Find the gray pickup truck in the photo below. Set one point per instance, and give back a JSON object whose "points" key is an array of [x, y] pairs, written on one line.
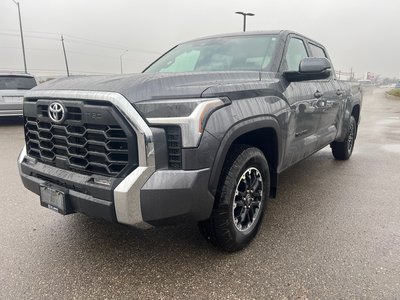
{"points": [[201, 135]]}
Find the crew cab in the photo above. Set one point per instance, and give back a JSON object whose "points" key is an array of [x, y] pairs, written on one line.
{"points": [[201, 135]]}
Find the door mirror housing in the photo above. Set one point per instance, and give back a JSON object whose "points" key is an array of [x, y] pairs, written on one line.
{"points": [[310, 68]]}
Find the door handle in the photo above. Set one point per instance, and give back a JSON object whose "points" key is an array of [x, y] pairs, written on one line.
{"points": [[318, 94], [339, 92]]}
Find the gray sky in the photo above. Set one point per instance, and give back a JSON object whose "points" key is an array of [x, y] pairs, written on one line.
{"points": [[362, 34]]}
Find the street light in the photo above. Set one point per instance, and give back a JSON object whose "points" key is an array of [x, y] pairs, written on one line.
{"points": [[244, 18], [22, 36], [65, 55], [120, 59]]}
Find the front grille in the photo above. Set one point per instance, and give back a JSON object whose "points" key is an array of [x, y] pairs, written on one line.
{"points": [[74, 113], [174, 143], [79, 143]]}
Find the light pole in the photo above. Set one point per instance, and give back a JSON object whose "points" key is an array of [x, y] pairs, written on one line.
{"points": [[120, 60], [244, 18], [65, 55], [22, 35]]}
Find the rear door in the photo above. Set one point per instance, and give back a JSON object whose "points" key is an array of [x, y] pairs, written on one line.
{"points": [[329, 101]]}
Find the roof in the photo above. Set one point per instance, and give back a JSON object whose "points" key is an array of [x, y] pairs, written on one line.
{"points": [[15, 73], [283, 33], [247, 33]]}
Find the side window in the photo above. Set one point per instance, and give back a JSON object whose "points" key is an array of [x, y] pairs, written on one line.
{"points": [[296, 51], [317, 51]]}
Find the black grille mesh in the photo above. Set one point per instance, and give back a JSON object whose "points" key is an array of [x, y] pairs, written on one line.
{"points": [[82, 147], [174, 142]]}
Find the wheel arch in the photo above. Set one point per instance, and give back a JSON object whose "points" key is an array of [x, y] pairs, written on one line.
{"points": [[261, 132], [355, 112], [352, 108]]}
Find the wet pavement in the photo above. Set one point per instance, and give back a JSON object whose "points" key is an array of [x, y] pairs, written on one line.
{"points": [[333, 232]]}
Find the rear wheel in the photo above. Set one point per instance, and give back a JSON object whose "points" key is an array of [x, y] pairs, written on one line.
{"points": [[240, 199], [343, 150]]}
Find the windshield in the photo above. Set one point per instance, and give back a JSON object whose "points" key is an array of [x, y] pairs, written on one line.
{"points": [[239, 53], [16, 83]]}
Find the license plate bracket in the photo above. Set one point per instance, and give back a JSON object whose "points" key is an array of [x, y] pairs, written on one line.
{"points": [[54, 199]]}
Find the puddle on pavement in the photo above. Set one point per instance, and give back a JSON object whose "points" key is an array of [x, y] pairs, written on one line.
{"points": [[392, 148], [389, 121]]}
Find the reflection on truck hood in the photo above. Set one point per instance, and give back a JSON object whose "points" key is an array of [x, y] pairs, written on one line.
{"points": [[139, 87]]}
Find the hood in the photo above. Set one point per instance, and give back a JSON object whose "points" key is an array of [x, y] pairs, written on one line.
{"points": [[139, 87]]}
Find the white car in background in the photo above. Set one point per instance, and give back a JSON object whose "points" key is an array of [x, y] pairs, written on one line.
{"points": [[366, 86], [13, 87]]}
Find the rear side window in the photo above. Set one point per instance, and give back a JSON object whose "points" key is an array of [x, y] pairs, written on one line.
{"points": [[317, 51], [16, 83], [296, 51]]}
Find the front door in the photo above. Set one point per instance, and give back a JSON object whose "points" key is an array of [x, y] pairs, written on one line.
{"points": [[303, 118]]}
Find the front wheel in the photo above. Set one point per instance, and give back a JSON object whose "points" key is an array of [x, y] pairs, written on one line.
{"points": [[343, 150], [240, 199]]}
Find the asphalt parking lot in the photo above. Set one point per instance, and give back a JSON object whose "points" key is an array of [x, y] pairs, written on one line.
{"points": [[333, 232]]}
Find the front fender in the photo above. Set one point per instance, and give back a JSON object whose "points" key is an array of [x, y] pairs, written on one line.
{"points": [[234, 132]]}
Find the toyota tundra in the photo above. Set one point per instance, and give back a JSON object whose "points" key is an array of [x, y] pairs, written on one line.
{"points": [[200, 135]]}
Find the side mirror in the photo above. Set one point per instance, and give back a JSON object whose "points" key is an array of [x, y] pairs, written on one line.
{"points": [[310, 68]]}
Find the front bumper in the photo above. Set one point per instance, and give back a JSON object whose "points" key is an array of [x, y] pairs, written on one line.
{"points": [[145, 197]]}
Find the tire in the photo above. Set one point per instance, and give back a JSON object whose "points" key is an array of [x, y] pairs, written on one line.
{"points": [[240, 200], [343, 150]]}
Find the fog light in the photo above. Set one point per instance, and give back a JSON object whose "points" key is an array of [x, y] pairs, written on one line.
{"points": [[102, 181], [30, 160]]}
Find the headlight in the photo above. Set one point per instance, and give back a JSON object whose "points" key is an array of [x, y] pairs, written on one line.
{"points": [[190, 114]]}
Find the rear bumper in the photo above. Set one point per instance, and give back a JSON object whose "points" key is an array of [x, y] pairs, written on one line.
{"points": [[145, 197], [10, 112], [10, 109]]}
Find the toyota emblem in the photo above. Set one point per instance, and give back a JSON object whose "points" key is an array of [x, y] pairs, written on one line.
{"points": [[57, 112]]}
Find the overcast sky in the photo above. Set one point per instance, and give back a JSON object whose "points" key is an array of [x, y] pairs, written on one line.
{"points": [[359, 34]]}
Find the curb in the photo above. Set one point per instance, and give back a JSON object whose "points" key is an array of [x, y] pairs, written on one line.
{"points": [[391, 96]]}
